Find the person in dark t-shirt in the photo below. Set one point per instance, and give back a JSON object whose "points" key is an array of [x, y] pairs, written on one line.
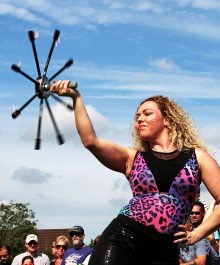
{"points": [[79, 252]]}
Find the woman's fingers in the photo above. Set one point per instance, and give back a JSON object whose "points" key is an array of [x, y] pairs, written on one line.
{"points": [[180, 237], [183, 238], [61, 88]]}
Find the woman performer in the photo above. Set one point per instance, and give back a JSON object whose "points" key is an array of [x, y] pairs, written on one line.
{"points": [[164, 168]]}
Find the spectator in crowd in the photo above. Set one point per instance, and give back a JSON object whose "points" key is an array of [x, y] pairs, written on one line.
{"points": [[96, 240], [79, 252], [211, 223], [53, 252], [5, 254], [201, 253], [27, 260], [197, 216], [31, 244], [61, 245]]}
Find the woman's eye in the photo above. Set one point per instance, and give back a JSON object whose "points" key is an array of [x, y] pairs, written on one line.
{"points": [[147, 113]]}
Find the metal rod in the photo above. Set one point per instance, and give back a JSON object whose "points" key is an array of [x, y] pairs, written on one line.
{"points": [[38, 139], [59, 136], [17, 112], [32, 39], [67, 64], [55, 38], [17, 69], [68, 106]]}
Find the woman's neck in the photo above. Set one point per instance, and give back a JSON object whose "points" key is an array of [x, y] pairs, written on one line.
{"points": [[163, 148], [58, 261]]}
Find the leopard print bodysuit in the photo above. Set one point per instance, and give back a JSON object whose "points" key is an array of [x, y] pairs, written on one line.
{"points": [[164, 211]]}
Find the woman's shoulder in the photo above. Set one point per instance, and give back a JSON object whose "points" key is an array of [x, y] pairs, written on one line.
{"points": [[204, 156], [202, 153]]}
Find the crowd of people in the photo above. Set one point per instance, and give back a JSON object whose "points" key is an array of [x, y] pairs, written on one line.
{"points": [[71, 249], [62, 251]]}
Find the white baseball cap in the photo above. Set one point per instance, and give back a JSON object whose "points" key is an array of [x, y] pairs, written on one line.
{"points": [[30, 238]]}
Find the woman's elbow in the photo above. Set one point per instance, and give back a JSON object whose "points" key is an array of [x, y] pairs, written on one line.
{"points": [[88, 142]]}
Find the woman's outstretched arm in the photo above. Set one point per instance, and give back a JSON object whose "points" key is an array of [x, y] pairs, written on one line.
{"points": [[112, 155]]}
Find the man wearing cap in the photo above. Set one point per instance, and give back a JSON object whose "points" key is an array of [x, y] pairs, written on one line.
{"points": [[79, 253], [31, 244]]}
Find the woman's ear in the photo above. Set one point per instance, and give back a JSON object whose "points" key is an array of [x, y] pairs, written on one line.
{"points": [[166, 121]]}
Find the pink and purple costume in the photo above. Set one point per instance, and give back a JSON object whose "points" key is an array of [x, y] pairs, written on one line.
{"points": [[164, 210], [164, 187]]}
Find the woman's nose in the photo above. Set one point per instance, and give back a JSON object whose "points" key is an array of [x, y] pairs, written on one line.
{"points": [[140, 118]]}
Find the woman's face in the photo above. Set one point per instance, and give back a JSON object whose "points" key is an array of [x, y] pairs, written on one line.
{"points": [[28, 262], [60, 248], [150, 123]]}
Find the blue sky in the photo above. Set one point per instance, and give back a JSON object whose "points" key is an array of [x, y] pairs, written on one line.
{"points": [[123, 51]]}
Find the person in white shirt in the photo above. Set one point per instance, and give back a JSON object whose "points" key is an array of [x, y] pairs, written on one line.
{"points": [[31, 244]]}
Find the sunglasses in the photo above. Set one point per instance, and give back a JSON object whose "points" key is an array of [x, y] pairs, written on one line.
{"points": [[61, 246], [32, 243], [75, 234], [196, 213], [3, 256]]}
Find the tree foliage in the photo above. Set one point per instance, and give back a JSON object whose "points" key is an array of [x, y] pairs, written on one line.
{"points": [[16, 222]]}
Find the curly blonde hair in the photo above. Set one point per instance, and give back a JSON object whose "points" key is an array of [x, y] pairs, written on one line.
{"points": [[182, 129]]}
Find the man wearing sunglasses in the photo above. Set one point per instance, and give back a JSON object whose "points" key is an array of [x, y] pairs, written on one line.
{"points": [[79, 253], [197, 214], [201, 253], [31, 244]]}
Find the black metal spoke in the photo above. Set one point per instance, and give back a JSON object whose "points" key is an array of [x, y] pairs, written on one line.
{"points": [[67, 65], [17, 112], [32, 39], [55, 39], [60, 138], [68, 106], [38, 139], [17, 69]]}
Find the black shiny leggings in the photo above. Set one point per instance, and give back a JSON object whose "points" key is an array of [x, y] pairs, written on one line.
{"points": [[121, 244]]}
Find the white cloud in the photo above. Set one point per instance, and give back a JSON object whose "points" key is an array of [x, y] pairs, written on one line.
{"points": [[165, 63], [30, 175], [21, 13], [201, 4], [66, 124], [165, 15], [194, 84], [118, 202], [211, 135], [147, 6], [115, 5]]}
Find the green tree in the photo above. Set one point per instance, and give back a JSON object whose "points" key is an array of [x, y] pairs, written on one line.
{"points": [[16, 222]]}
